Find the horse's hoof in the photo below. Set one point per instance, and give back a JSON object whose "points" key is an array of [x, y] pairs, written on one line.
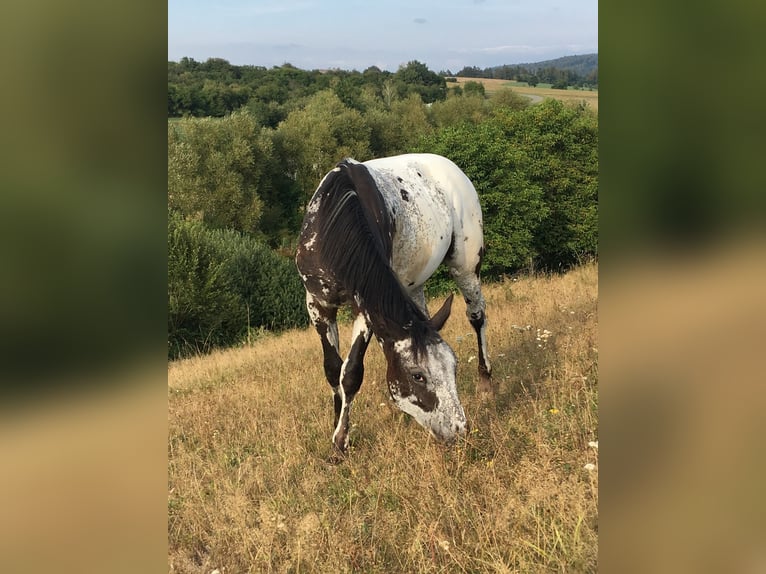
{"points": [[486, 387], [337, 456]]}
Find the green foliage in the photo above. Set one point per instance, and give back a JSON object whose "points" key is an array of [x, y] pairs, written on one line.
{"points": [[458, 109], [512, 205], [222, 283], [508, 99], [199, 298], [313, 139], [409, 121], [474, 89], [237, 185], [215, 169], [416, 78], [269, 291], [562, 144], [536, 173], [227, 172], [561, 72]]}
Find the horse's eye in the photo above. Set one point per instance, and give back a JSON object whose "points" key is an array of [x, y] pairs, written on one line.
{"points": [[418, 378]]}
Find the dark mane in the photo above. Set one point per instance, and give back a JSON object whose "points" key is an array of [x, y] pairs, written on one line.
{"points": [[357, 236]]}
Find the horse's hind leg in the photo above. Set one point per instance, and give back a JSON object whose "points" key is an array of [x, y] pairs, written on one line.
{"points": [[468, 282], [351, 376], [419, 297]]}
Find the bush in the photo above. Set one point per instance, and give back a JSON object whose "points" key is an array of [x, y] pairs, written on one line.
{"points": [[512, 205], [268, 286], [561, 142], [217, 169], [536, 172], [221, 283], [199, 299]]}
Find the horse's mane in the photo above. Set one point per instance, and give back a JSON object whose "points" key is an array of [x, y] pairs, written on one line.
{"points": [[356, 245]]}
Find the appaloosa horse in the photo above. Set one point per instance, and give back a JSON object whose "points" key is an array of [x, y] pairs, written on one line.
{"points": [[373, 233]]}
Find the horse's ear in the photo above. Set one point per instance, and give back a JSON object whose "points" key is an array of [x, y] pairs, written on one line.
{"points": [[441, 316]]}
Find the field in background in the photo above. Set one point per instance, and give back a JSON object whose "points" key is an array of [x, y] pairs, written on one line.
{"points": [[249, 434], [491, 86]]}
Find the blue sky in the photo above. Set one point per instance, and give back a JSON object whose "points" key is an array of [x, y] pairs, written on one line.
{"points": [[445, 35]]}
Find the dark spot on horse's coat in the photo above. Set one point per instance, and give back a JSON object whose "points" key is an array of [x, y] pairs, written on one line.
{"points": [[468, 301], [419, 174], [405, 195], [424, 398], [478, 265], [451, 249], [399, 179]]}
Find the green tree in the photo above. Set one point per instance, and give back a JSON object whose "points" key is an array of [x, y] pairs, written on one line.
{"points": [[475, 89], [410, 123], [199, 297], [512, 205], [313, 139], [536, 172], [456, 110], [561, 142], [507, 98], [415, 77], [216, 168]]}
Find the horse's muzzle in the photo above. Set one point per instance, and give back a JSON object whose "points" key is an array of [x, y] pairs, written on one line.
{"points": [[450, 435]]}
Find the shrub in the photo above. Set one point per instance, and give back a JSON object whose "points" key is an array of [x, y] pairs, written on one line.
{"points": [[536, 172], [561, 142], [268, 286], [221, 283], [199, 298], [512, 205]]}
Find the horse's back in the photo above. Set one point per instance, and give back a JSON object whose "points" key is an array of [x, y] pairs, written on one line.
{"points": [[456, 223], [437, 168], [443, 174]]}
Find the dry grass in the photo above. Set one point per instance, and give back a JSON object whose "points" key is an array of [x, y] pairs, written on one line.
{"points": [[249, 434], [571, 96]]}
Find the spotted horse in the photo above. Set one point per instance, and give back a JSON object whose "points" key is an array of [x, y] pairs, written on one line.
{"points": [[373, 233]]}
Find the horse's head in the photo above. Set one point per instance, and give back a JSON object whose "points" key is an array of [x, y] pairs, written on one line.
{"points": [[421, 378]]}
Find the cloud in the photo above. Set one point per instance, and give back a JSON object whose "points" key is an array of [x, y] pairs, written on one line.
{"points": [[420, 20], [512, 48]]}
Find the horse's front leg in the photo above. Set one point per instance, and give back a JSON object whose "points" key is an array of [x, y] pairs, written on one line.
{"points": [[324, 320], [351, 376]]}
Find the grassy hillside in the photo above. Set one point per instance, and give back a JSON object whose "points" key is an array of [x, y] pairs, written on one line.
{"points": [[249, 434]]}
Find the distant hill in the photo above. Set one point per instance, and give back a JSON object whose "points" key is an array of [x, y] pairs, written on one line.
{"points": [[580, 65], [561, 72]]}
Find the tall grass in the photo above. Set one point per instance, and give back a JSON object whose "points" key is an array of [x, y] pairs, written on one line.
{"points": [[249, 435]]}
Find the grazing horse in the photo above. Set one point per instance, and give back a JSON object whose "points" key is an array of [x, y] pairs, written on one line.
{"points": [[373, 233]]}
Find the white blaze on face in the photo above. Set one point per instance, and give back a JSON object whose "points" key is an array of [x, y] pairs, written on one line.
{"points": [[437, 367]]}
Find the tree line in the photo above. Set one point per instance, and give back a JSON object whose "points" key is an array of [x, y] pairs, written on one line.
{"points": [[216, 87], [237, 187], [575, 71]]}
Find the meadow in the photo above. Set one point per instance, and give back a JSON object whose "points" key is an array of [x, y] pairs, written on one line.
{"points": [[250, 488], [492, 86]]}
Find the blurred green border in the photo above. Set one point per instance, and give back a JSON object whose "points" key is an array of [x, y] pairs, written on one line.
{"points": [[83, 179], [83, 250]]}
